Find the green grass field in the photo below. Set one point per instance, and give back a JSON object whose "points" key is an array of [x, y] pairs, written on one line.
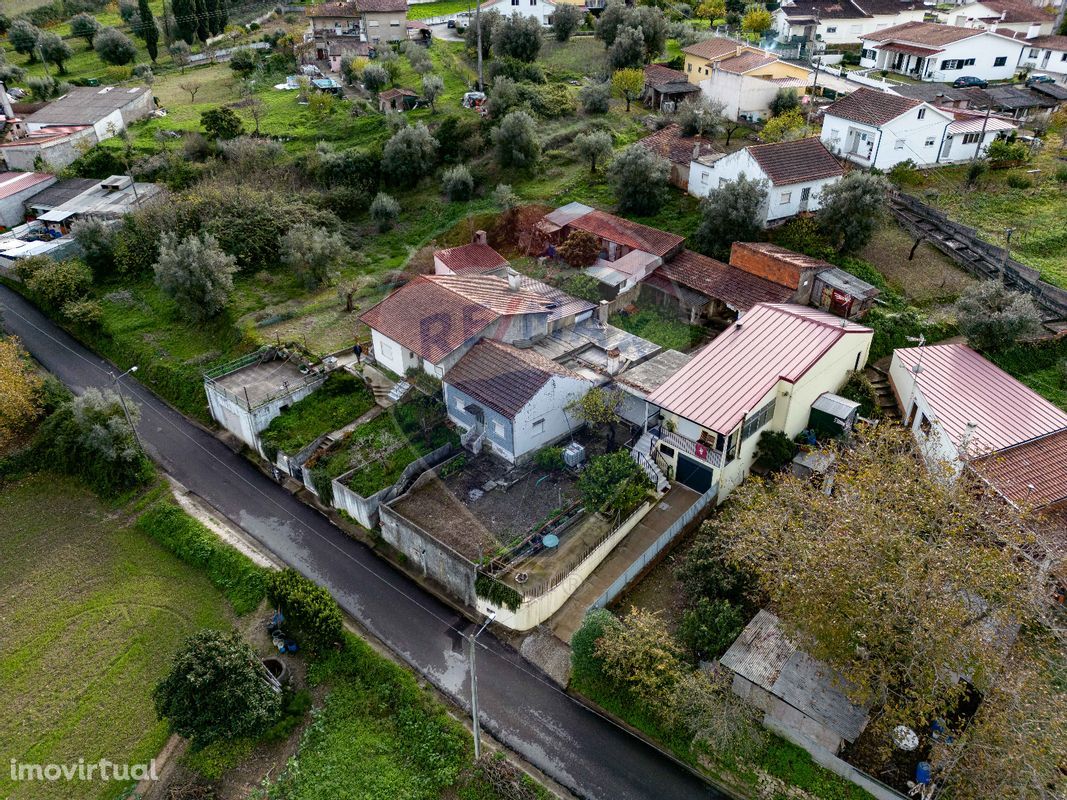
{"points": [[92, 611]]}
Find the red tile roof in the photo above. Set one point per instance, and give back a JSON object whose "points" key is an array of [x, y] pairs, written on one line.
{"points": [[728, 378], [910, 49], [669, 143], [735, 287], [871, 107], [796, 162], [435, 314], [931, 34], [389, 94], [12, 183], [661, 73], [474, 257], [962, 387], [632, 234], [382, 6], [715, 47], [1052, 42], [1034, 473], [503, 377], [739, 65], [1018, 11]]}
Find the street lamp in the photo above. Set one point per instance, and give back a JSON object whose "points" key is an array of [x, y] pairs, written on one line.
{"points": [[474, 686], [122, 399]]}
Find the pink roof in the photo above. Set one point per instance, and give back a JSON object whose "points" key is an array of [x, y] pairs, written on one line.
{"points": [[729, 377], [473, 257], [961, 387], [12, 183]]}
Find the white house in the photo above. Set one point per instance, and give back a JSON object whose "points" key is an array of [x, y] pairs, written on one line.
{"points": [[541, 10], [763, 373], [747, 84], [510, 400], [880, 129], [1047, 55], [796, 173], [964, 410], [1003, 15], [930, 51], [108, 109], [841, 21]]}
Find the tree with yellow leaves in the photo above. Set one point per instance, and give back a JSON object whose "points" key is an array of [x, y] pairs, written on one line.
{"points": [[19, 387]]}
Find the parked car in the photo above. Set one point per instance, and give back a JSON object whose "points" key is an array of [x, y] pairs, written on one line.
{"points": [[967, 81], [1039, 79]]}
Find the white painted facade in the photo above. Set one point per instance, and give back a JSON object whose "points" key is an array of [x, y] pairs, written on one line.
{"points": [[936, 445], [782, 201], [244, 423], [986, 55], [973, 15], [541, 10], [917, 134], [1045, 61], [844, 31], [744, 96]]}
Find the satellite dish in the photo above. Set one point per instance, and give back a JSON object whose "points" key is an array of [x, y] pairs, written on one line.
{"points": [[905, 738]]}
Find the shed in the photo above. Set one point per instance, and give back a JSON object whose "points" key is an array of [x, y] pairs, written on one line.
{"points": [[832, 414], [396, 100]]}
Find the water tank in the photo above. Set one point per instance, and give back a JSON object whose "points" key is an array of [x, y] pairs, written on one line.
{"points": [[573, 454], [922, 772]]}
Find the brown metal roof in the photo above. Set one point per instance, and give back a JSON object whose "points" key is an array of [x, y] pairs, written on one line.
{"points": [[962, 387], [796, 162], [473, 257], [669, 143], [737, 288], [1034, 473], [623, 231], [772, 343], [502, 377]]}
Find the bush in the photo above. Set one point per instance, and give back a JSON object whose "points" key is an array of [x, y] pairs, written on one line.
{"points": [[221, 123], [310, 611], [784, 101], [114, 47], [595, 96], [235, 574], [1061, 174], [710, 627], [457, 183], [551, 101], [584, 287], [497, 593], [1017, 181], [775, 450], [705, 574], [993, 317], [195, 273], [87, 313], [312, 253], [613, 483], [858, 387], [384, 210], [639, 178], [97, 243], [586, 665], [550, 458], [580, 249], [1003, 153], [60, 282]]}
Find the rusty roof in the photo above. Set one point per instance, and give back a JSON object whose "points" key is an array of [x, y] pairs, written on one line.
{"points": [[961, 387], [1033, 473], [728, 378], [796, 162], [737, 288], [473, 257], [661, 73], [632, 234], [871, 107], [1017, 11], [669, 143], [503, 377]]}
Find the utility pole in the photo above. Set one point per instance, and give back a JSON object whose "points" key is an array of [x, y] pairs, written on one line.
{"points": [[474, 686], [478, 22], [814, 86], [981, 136], [1007, 254], [125, 409]]}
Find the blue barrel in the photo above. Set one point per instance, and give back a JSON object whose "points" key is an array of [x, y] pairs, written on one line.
{"points": [[922, 772]]}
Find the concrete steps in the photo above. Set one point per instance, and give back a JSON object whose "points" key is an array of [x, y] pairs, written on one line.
{"points": [[642, 454]]}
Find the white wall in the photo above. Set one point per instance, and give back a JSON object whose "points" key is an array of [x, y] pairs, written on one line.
{"points": [[393, 355], [921, 138], [955, 151], [1043, 60], [986, 49], [848, 31], [547, 405], [541, 10], [235, 417], [936, 445]]}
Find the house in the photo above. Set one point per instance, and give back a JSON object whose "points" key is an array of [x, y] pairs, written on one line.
{"points": [[53, 147], [638, 382], [1017, 16], [666, 85], [744, 79], [812, 281], [882, 129], [396, 100], [929, 51], [761, 374], [57, 194], [16, 190], [936, 94], [430, 322], [678, 150], [368, 21], [965, 411], [108, 109], [802, 698], [474, 258], [629, 251], [509, 400], [1046, 55], [840, 21], [796, 173], [540, 10], [1016, 103]]}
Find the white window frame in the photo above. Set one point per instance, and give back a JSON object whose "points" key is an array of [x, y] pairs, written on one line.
{"points": [[785, 197], [537, 427], [498, 428]]}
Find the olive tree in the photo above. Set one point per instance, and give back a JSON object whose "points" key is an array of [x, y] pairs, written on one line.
{"points": [[409, 155], [457, 183], [432, 87], [375, 78], [518, 37], [565, 21], [594, 146], [851, 209], [114, 47], [701, 117], [384, 210], [628, 50], [994, 317], [516, 141], [731, 213], [23, 36], [594, 96], [312, 252], [639, 178], [84, 26], [195, 273]]}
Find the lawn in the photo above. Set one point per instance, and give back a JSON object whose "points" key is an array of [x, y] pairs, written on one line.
{"points": [[342, 399], [1042, 367], [660, 326], [440, 8], [92, 611]]}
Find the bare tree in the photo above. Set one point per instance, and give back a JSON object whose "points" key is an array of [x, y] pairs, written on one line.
{"points": [[191, 88]]}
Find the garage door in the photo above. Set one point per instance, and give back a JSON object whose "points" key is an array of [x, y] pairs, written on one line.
{"points": [[693, 474]]}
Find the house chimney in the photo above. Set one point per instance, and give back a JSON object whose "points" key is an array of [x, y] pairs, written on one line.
{"points": [[480, 238], [614, 361], [696, 150], [513, 280], [1034, 30]]}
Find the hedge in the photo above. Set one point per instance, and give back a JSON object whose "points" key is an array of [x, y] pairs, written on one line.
{"points": [[311, 612]]}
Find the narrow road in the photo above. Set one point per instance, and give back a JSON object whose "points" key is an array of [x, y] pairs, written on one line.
{"points": [[583, 751]]}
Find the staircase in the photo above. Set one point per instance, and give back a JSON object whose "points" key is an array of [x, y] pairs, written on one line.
{"points": [[883, 392], [642, 454], [473, 438], [398, 391]]}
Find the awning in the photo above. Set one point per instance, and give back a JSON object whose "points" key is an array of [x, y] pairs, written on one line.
{"points": [[56, 215], [909, 49]]}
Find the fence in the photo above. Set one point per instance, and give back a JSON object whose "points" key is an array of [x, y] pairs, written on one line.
{"points": [[654, 550]]}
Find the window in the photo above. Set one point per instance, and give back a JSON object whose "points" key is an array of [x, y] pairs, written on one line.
{"points": [[1000, 61], [922, 113], [704, 177], [372, 24], [498, 428], [538, 427], [386, 348], [394, 23], [1063, 57], [805, 194], [924, 425], [929, 141], [786, 196], [971, 138], [689, 67], [753, 422], [459, 404], [865, 53], [1033, 54], [831, 30], [957, 63], [899, 145], [666, 452]]}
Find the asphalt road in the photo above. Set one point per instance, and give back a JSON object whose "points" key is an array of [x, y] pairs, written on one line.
{"points": [[581, 750]]}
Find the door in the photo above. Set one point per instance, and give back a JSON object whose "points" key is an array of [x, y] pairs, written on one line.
{"points": [[693, 474]]}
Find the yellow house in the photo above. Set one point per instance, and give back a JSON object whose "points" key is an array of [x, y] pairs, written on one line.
{"points": [[763, 373], [743, 78]]}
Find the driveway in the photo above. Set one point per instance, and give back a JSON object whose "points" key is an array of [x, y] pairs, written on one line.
{"points": [[583, 751]]}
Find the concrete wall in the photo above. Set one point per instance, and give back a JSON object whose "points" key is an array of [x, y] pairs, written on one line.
{"points": [[233, 415], [13, 207], [747, 96], [935, 444], [56, 154], [393, 355], [385, 27], [547, 408]]}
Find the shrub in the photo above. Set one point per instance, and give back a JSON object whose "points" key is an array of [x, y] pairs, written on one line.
{"points": [[497, 593], [312, 253], [87, 313], [243, 61], [516, 142], [586, 665], [114, 47], [1003, 153], [235, 574], [550, 458], [639, 179], [580, 249], [195, 273], [858, 387], [384, 210], [409, 155], [784, 101], [641, 654], [706, 574], [584, 287], [60, 282], [613, 483], [215, 690], [594, 96], [1017, 181], [551, 101], [518, 37], [309, 609], [97, 243], [221, 123], [775, 450], [710, 627], [1061, 174], [993, 317], [457, 183]]}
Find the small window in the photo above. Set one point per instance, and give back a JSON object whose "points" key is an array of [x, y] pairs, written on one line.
{"points": [[971, 138], [667, 452], [925, 426], [1000, 61], [394, 23], [459, 404], [922, 113], [929, 141], [1063, 57], [805, 193], [831, 30], [1033, 54], [786, 196], [899, 145], [498, 428], [538, 427], [689, 67]]}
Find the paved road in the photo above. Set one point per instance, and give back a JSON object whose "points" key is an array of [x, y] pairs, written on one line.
{"points": [[576, 747]]}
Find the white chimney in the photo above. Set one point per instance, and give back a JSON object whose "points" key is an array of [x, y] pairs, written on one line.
{"points": [[513, 280], [614, 361], [1034, 30], [480, 237]]}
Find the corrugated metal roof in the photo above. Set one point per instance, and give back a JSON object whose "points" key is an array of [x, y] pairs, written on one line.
{"points": [[622, 231], [12, 183], [652, 374], [974, 125], [961, 387], [1034, 473], [561, 304], [731, 375], [835, 405], [733, 286]]}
